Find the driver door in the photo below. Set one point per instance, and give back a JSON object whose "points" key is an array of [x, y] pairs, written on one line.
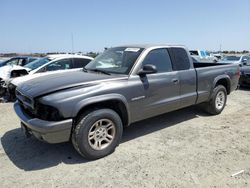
{"points": [[159, 92]]}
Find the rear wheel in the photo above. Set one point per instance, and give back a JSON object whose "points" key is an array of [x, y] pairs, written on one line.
{"points": [[97, 133], [218, 101]]}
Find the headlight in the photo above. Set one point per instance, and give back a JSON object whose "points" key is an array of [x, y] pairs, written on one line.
{"points": [[48, 113], [11, 86]]}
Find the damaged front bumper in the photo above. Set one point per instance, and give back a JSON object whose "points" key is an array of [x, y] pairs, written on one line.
{"points": [[48, 131], [2, 87]]}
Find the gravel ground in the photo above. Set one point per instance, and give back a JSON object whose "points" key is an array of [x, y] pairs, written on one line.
{"points": [[185, 148]]}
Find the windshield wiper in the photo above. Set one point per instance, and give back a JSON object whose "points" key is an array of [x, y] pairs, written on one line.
{"points": [[99, 70]]}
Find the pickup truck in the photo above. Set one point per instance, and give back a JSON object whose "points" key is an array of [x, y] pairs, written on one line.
{"points": [[121, 86]]}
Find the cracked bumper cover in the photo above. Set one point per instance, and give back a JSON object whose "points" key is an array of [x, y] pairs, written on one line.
{"points": [[48, 131]]}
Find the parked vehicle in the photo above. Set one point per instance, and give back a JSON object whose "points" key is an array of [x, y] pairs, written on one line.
{"points": [[235, 59], [203, 56], [121, 86], [217, 55], [18, 60], [50, 63], [245, 74]]}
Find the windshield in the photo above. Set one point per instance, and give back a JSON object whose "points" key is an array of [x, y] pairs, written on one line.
{"points": [[231, 58], [117, 60], [37, 63]]}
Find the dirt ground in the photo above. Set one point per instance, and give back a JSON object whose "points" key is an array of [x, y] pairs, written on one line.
{"points": [[185, 148]]}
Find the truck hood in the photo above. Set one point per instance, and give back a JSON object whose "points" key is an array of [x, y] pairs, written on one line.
{"points": [[49, 83], [19, 80]]}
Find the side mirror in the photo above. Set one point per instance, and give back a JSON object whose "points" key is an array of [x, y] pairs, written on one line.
{"points": [[147, 69]]}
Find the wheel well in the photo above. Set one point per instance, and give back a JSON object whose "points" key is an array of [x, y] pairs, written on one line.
{"points": [[225, 83], [116, 105]]}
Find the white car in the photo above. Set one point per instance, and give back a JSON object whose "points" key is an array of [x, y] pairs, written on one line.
{"points": [[203, 56], [238, 59], [50, 63]]}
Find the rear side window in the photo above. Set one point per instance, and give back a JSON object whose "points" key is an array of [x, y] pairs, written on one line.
{"points": [[179, 59], [80, 62], [160, 58], [60, 65]]}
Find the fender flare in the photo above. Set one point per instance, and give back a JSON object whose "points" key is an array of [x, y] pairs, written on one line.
{"points": [[101, 98], [224, 76]]}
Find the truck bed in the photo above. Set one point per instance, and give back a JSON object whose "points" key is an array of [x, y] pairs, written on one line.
{"points": [[207, 64], [208, 73]]}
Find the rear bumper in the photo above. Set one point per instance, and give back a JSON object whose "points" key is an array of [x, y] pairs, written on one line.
{"points": [[49, 131]]}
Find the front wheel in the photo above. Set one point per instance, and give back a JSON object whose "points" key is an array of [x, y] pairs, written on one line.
{"points": [[218, 101], [97, 133]]}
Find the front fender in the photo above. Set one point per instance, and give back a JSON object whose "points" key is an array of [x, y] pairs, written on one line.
{"points": [[100, 98]]}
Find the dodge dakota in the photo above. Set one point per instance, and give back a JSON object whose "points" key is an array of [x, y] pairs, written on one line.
{"points": [[123, 85]]}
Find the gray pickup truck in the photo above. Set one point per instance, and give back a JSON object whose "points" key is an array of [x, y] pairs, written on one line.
{"points": [[121, 86]]}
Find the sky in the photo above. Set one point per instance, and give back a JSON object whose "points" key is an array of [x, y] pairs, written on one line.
{"points": [[29, 26]]}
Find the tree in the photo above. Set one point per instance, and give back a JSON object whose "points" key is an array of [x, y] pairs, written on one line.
{"points": [[92, 54]]}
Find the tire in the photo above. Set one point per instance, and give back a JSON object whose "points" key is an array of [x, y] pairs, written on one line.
{"points": [[218, 100], [93, 131]]}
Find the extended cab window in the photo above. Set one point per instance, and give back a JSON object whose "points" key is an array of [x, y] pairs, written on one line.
{"points": [[60, 65], [179, 59], [160, 58]]}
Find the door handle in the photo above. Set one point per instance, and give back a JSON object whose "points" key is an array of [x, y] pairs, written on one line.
{"points": [[175, 81]]}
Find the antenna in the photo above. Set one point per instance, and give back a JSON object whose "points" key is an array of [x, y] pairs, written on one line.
{"points": [[72, 43]]}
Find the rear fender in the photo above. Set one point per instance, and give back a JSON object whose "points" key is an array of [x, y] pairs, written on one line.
{"points": [[218, 79]]}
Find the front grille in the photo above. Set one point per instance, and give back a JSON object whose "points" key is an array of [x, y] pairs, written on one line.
{"points": [[27, 109], [38, 110], [12, 91], [24, 99]]}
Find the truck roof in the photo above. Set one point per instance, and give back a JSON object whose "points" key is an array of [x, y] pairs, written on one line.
{"points": [[151, 45]]}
